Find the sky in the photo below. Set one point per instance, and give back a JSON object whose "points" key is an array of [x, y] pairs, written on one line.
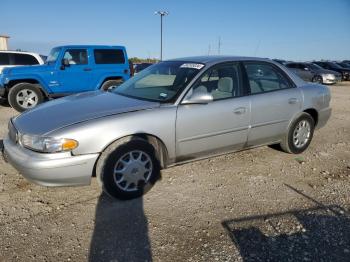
{"points": [[287, 29]]}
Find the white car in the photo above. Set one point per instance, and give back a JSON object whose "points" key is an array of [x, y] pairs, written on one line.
{"points": [[18, 58]]}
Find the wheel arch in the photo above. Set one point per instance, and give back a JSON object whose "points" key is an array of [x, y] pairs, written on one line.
{"points": [[104, 80], [32, 81], [313, 113], [156, 142]]}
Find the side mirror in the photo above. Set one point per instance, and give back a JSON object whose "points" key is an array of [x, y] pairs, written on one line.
{"points": [[199, 97], [64, 63]]}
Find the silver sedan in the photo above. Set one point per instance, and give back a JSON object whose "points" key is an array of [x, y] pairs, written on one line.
{"points": [[170, 113]]}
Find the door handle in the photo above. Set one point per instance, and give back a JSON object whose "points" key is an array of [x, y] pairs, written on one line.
{"points": [[87, 69], [293, 101], [240, 110]]}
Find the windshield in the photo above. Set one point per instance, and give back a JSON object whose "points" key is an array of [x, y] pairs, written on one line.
{"points": [[314, 66], [51, 59], [161, 82]]}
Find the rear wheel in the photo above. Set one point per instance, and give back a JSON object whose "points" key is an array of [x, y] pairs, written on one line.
{"points": [[111, 84], [299, 135], [24, 96], [128, 168]]}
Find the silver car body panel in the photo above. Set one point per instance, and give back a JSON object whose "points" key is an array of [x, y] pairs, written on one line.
{"points": [[60, 169], [70, 110], [194, 131]]}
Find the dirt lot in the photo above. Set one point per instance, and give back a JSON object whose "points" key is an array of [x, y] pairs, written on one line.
{"points": [[260, 204]]}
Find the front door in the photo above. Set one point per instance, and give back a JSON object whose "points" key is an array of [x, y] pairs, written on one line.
{"points": [[220, 125], [77, 77]]}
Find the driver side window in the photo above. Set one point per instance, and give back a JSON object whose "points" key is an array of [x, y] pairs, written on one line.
{"points": [[221, 82], [76, 56]]}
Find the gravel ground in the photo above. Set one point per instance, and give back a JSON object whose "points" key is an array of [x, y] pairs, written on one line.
{"points": [[256, 205]]}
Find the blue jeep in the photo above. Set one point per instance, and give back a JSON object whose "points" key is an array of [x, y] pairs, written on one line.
{"points": [[68, 70]]}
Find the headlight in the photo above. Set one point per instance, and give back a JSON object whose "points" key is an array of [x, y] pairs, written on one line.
{"points": [[48, 144], [328, 76]]}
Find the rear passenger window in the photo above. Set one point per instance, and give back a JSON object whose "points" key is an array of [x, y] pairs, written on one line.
{"points": [[109, 56], [24, 59], [264, 77], [4, 59]]}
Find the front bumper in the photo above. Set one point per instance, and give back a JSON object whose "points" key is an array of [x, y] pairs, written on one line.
{"points": [[60, 169]]}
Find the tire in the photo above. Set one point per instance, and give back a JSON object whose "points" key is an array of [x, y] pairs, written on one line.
{"points": [[24, 96], [317, 79], [130, 161], [110, 84], [297, 142]]}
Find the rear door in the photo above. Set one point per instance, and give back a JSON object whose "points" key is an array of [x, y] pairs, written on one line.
{"points": [[219, 126], [274, 102]]}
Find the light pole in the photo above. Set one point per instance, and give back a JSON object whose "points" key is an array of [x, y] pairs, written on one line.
{"points": [[161, 13]]}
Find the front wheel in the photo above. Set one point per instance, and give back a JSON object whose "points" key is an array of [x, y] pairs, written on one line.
{"points": [[24, 96], [128, 168], [299, 135]]}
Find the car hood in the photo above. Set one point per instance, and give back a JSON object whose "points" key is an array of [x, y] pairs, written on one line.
{"points": [[75, 109], [26, 69]]}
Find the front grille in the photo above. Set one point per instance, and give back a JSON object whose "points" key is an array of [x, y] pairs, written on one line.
{"points": [[13, 134]]}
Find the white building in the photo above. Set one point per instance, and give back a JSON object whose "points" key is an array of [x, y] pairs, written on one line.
{"points": [[4, 42]]}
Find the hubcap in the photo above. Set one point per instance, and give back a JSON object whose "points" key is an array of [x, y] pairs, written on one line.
{"points": [[27, 98], [133, 170], [301, 134]]}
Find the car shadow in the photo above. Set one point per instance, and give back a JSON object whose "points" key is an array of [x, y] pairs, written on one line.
{"points": [[321, 233], [121, 231]]}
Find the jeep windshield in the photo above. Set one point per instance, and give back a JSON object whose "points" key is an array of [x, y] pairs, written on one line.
{"points": [[51, 59], [162, 82]]}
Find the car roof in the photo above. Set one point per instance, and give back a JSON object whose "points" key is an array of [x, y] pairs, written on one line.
{"points": [[218, 59], [91, 46]]}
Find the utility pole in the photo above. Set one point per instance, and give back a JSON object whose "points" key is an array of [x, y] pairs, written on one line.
{"points": [[209, 47], [219, 45], [161, 13]]}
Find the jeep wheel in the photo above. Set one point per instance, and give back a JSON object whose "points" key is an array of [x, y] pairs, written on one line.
{"points": [[111, 84], [24, 96], [128, 168]]}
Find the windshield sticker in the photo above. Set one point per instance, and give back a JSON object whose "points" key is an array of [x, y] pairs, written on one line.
{"points": [[191, 65]]}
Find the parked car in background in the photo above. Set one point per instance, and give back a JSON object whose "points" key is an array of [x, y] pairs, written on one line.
{"points": [[175, 111], [67, 70], [344, 64], [18, 58], [140, 67], [334, 67], [313, 73]]}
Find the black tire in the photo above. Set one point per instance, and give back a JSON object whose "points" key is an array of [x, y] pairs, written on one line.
{"points": [[317, 79], [17, 92], [288, 143], [110, 84], [107, 164]]}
